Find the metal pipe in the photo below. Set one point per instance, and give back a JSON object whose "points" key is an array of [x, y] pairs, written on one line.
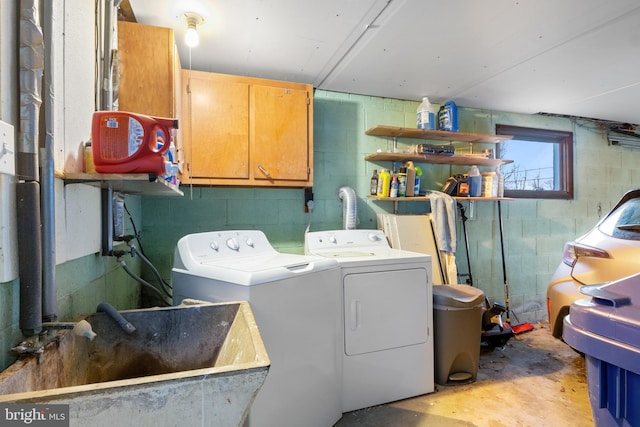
{"points": [[28, 192], [349, 207], [47, 197]]}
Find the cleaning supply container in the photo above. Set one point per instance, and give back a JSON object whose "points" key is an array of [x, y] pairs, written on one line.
{"points": [[125, 142], [606, 328], [384, 183], [475, 181], [424, 115], [457, 321], [448, 117]]}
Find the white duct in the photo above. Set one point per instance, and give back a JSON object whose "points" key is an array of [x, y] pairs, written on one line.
{"points": [[349, 207]]}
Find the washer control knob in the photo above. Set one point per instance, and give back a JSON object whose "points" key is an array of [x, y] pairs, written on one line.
{"points": [[214, 245], [333, 239], [374, 237], [249, 242], [232, 244]]}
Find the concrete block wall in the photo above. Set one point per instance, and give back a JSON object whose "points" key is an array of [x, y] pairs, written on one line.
{"points": [[534, 230]]}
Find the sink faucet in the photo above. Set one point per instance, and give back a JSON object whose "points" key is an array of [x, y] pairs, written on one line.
{"points": [[124, 324], [81, 328], [36, 344]]}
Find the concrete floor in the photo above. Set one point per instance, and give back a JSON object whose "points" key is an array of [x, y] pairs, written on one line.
{"points": [[534, 380]]}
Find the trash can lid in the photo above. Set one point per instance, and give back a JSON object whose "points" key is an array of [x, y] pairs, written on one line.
{"points": [[457, 295]]}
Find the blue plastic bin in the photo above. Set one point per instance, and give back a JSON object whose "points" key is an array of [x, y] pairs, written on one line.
{"points": [[606, 328]]}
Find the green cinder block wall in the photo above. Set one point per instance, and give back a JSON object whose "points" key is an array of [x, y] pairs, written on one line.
{"points": [[534, 230]]}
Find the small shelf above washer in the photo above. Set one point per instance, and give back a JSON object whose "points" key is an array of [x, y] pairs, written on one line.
{"points": [[138, 183]]}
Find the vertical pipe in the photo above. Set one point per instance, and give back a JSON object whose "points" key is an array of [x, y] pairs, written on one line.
{"points": [[28, 190], [29, 256], [9, 114], [49, 300]]}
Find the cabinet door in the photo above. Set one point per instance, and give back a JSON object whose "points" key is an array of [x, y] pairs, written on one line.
{"points": [[217, 126], [280, 149], [146, 60]]}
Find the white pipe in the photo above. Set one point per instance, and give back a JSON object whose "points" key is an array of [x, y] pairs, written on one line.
{"points": [[349, 207]]}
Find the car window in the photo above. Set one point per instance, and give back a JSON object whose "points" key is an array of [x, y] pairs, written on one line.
{"points": [[624, 222]]}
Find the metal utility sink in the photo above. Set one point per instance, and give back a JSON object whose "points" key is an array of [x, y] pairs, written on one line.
{"points": [[195, 364]]}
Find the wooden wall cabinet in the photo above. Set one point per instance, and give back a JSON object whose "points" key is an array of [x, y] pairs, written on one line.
{"points": [[149, 68], [243, 131]]}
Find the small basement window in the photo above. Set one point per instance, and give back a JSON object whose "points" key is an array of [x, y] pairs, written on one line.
{"points": [[542, 165]]}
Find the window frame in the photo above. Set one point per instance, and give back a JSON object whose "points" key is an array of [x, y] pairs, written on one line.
{"points": [[564, 139]]}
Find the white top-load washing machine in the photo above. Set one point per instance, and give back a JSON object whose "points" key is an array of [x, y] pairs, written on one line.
{"points": [[387, 316], [295, 300]]}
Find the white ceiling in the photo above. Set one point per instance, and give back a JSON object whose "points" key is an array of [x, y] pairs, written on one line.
{"points": [[569, 57]]}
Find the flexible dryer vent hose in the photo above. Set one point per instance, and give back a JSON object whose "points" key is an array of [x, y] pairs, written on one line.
{"points": [[349, 207]]}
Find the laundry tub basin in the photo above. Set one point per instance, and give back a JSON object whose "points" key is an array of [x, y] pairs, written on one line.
{"points": [[194, 364]]}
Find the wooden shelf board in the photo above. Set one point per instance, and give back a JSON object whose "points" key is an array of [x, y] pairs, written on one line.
{"points": [[438, 135], [125, 183], [427, 198], [458, 159]]}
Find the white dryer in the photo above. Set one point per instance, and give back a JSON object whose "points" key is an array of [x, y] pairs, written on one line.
{"points": [[295, 300], [387, 316]]}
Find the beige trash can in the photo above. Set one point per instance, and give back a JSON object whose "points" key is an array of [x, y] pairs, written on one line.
{"points": [[457, 312]]}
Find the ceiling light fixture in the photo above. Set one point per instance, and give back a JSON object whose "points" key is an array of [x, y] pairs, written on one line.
{"points": [[191, 38]]}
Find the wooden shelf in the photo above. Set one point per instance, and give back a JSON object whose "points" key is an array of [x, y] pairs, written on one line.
{"points": [[457, 159], [427, 198], [436, 135], [125, 183]]}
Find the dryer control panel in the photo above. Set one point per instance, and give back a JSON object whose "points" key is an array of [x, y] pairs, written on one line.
{"points": [[345, 240]]}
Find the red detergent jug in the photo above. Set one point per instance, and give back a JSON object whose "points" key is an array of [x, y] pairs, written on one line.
{"points": [[125, 142]]}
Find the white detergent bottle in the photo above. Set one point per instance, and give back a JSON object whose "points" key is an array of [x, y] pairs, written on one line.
{"points": [[424, 115]]}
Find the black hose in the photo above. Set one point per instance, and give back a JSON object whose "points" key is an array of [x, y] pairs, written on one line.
{"points": [[155, 271], [504, 266], [142, 281], [124, 324]]}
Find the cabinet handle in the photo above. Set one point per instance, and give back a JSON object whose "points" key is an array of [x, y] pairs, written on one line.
{"points": [[263, 170]]}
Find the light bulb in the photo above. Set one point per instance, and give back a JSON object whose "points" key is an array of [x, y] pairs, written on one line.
{"points": [[191, 37]]}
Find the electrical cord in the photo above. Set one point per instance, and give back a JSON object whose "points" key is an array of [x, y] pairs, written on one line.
{"points": [[166, 288], [133, 225], [142, 281]]}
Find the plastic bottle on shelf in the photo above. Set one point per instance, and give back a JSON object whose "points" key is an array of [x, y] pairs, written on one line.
{"points": [[424, 115], [416, 188], [402, 182], [373, 188], [448, 117], [89, 167], [500, 179], [475, 181], [393, 191], [384, 181]]}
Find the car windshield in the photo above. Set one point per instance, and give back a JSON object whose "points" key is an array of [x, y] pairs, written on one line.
{"points": [[624, 222]]}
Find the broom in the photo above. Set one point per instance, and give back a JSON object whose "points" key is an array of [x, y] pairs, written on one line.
{"points": [[522, 327]]}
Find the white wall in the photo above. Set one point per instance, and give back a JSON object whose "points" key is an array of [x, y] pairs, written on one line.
{"points": [[77, 205]]}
